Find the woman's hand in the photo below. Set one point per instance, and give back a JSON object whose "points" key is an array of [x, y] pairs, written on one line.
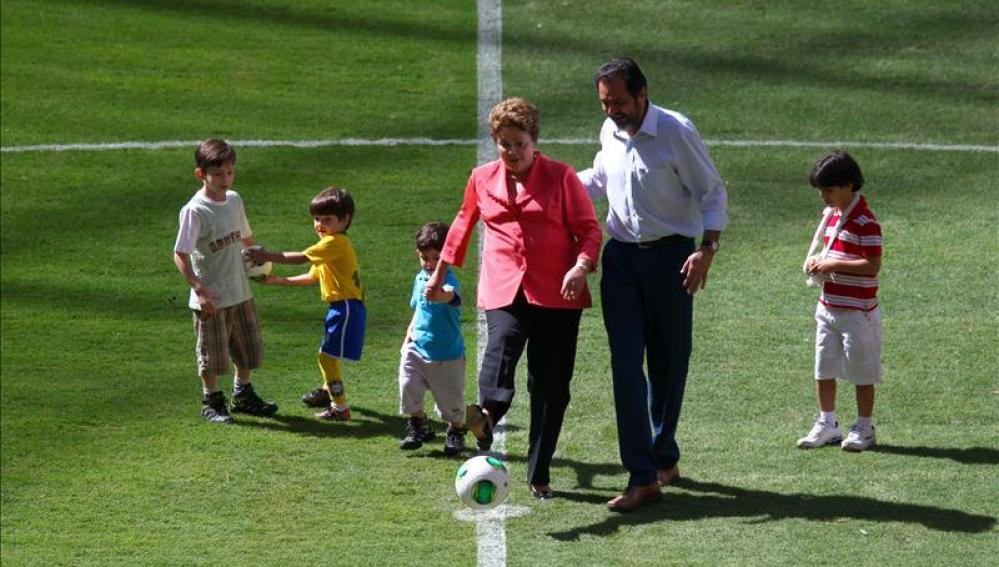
{"points": [[573, 283], [435, 285]]}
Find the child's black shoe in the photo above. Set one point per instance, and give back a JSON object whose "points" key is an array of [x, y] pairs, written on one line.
{"points": [[454, 440], [215, 408], [418, 432], [245, 400]]}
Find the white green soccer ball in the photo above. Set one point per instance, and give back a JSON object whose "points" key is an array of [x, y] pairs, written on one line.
{"points": [[482, 482]]}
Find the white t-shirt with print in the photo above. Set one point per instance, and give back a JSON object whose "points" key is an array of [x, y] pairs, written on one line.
{"points": [[212, 233]]}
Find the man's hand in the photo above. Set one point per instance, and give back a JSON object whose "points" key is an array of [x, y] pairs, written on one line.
{"points": [[695, 270]]}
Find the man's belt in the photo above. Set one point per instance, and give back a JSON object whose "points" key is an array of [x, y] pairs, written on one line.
{"points": [[672, 239]]}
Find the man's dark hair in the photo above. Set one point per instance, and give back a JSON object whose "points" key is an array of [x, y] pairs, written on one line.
{"points": [[836, 170], [432, 236], [214, 153], [333, 201], [624, 68]]}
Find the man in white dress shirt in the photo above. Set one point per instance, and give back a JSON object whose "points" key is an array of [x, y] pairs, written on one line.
{"points": [[663, 191]]}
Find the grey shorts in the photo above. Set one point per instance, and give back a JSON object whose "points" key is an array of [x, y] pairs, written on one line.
{"points": [[232, 331], [445, 380]]}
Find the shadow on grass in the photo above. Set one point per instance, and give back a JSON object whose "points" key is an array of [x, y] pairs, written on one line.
{"points": [[968, 456], [365, 423], [711, 500]]}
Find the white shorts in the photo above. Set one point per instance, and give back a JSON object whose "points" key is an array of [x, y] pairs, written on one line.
{"points": [[848, 345], [445, 379]]}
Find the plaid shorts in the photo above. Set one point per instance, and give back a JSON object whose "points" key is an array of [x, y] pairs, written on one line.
{"points": [[232, 331]]}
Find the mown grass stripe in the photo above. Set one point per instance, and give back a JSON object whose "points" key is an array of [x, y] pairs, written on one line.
{"points": [[169, 144]]}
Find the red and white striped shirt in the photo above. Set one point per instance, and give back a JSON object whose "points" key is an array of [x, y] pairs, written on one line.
{"points": [[859, 238]]}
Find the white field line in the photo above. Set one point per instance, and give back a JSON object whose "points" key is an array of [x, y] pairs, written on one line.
{"points": [[171, 144], [810, 144], [490, 529]]}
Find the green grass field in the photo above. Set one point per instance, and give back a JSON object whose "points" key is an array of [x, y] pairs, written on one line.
{"points": [[105, 459]]}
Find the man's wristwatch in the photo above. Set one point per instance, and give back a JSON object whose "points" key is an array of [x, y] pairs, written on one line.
{"points": [[710, 244]]}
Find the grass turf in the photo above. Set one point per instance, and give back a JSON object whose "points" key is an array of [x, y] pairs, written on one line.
{"points": [[105, 460]]}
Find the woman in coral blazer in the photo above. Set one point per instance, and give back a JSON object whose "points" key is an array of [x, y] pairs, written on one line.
{"points": [[541, 239]]}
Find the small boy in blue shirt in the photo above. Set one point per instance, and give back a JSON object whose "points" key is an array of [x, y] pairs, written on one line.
{"points": [[433, 354]]}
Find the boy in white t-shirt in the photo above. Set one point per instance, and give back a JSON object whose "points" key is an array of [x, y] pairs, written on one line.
{"points": [[209, 254]]}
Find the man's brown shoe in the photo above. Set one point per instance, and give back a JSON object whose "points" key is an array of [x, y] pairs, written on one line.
{"points": [[635, 496], [668, 476]]}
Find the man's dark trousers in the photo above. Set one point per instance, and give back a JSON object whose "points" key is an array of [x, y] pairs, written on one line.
{"points": [[647, 313]]}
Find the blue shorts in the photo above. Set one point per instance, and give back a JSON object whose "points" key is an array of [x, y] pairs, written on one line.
{"points": [[344, 330]]}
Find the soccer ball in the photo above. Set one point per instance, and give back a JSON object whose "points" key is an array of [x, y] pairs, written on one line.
{"points": [[482, 482], [257, 272]]}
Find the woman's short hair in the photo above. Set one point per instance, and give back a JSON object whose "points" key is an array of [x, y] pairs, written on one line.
{"points": [[516, 112], [836, 170]]}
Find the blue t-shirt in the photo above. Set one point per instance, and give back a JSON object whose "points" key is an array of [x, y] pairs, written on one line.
{"points": [[437, 326]]}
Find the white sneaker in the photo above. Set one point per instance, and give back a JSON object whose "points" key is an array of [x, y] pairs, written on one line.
{"points": [[822, 433], [858, 439]]}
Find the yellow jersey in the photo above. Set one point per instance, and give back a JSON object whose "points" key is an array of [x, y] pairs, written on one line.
{"points": [[334, 264]]}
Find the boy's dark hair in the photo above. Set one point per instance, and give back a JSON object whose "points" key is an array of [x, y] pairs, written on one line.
{"points": [[214, 153], [625, 68], [333, 201], [432, 236], [836, 170]]}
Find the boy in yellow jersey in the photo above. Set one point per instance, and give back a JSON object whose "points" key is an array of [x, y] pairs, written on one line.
{"points": [[334, 266]]}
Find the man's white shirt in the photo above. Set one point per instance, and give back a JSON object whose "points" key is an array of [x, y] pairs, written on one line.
{"points": [[658, 183]]}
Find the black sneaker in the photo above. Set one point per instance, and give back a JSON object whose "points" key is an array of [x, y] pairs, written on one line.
{"points": [[215, 408], [454, 440], [318, 398], [245, 400], [418, 432]]}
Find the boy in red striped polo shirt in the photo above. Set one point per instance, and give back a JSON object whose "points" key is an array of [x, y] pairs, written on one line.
{"points": [[848, 320]]}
